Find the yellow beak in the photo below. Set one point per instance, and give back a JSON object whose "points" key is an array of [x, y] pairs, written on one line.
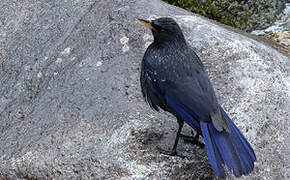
{"points": [[147, 23]]}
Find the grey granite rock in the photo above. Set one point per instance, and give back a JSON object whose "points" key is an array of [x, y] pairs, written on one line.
{"points": [[70, 101]]}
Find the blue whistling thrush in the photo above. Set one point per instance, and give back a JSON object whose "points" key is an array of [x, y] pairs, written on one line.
{"points": [[174, 79]]}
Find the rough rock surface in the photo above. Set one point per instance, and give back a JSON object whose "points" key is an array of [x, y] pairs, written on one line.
{"points": [[282, 38], [70, 101]]}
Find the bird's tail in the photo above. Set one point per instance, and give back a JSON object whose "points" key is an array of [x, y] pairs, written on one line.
{"points": [[231, 149]]}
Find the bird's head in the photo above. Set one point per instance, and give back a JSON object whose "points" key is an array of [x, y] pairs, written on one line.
{"points": [[164, 29]]}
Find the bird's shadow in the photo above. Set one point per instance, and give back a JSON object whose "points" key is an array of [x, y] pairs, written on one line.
{"points": [[191, 161]]}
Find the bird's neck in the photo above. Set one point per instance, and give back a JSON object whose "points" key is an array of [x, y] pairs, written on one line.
{"points": [[176, 42]]}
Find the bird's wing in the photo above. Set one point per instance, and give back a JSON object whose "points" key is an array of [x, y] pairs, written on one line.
{"points": [[151, 86], [195, 95], [192, 94]]}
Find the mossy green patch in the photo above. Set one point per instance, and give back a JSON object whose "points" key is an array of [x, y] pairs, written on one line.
{"points": [[246, 15]]}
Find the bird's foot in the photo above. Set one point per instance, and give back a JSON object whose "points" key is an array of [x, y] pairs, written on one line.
{"points": [[168, 152], [193, 139]]}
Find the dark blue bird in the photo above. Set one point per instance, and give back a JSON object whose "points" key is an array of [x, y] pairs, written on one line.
{"points": [[174, 79]]}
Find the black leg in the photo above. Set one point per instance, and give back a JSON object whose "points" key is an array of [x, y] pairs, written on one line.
{"points": [[173, 151], [193, 139]]}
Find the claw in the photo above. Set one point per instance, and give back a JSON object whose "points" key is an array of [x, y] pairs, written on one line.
{"points": [[193, 139], [169, 153]]}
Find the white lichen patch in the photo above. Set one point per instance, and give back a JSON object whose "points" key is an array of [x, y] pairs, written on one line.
{"points": [[66, 51], [27, 67], [39, 75], [58, 60], [99, 63], [124, 40], [125, 48]]}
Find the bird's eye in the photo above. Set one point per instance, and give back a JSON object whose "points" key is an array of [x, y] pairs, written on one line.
{"points": [[160, 28]]}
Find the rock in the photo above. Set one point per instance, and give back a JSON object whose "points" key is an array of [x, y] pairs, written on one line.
{"points": [[71, 106], [282, 38]]}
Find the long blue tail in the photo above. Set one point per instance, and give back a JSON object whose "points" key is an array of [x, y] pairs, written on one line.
{"points": [[231, 149]]}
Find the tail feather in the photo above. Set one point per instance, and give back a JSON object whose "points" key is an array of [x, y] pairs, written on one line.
{"points": [[229, 148], [213, 152], [240, 136], [226, 148]]}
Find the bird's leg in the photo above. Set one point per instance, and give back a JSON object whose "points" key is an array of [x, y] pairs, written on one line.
{"points": [[193, 139], [190, 137], [196, 136], [173, 151]]}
